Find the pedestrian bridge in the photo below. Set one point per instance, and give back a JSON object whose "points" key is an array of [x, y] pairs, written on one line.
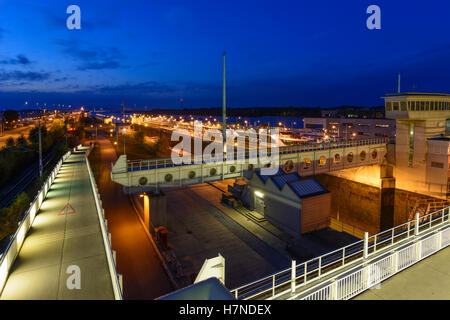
{"points": [[307, 160], [61, 249], [350, 271]]}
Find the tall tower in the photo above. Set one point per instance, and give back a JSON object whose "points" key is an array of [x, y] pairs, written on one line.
{"points": [[224, 107], [398, 82]]}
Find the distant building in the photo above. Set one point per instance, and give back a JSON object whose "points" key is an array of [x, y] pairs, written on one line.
{"points": [[422, 148], [289, 202], [352, 127]]}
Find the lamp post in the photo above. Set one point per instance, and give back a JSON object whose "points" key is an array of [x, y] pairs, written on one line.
{"points": [[40, 148]]}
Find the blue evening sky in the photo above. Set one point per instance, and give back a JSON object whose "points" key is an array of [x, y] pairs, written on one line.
{"points": [[279, 53]]}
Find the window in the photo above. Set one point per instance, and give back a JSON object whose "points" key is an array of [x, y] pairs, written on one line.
{"points": [[403, 106], [350, 157], [380, 125], [362, 156], [322, 161], [411, 144], [384, 135], [412, 106], [306, 163], [437, 165], [388, 106], [337, 158]]}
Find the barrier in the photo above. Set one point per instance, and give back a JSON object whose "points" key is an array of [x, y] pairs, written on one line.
{"points": [[16, 241], [400, 247], [116, 279]]}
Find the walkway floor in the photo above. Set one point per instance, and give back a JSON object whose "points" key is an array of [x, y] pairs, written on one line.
{"points": [[61, 237], [428, 279]]}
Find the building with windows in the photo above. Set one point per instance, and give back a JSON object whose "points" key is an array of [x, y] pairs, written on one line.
{"points": [[422, 148], [352, 128]]}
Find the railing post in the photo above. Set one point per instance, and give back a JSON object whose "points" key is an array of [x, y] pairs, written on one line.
{"points": [[366, 245], [416, 227], [293, 274], [366, 275], [418, 250], [394, 262], [334, 291]]}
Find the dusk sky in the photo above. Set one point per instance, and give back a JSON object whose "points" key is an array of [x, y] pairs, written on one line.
{"points": [[279, 53]]}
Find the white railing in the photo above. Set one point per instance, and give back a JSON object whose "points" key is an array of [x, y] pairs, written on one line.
{"points": [[374, 271], [116, 279], [400, 246], [16, 241], [133, 165]]}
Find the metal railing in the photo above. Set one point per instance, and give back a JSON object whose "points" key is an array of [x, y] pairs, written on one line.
{"points": [[116, 279], [298, 276], [137, 165], [12, 250]]}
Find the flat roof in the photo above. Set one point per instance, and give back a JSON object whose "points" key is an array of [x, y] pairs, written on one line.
{"points": [[401, 94]]}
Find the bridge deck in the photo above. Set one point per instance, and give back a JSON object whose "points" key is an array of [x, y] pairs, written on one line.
{"points": [[428, 279], [60, 238]]}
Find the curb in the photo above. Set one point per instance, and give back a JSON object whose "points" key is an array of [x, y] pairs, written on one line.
{"points": [[163, 262]]}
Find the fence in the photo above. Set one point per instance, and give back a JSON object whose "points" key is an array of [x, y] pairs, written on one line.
{"points": [[390, 251], [116, 279], [16, 241], [344, 227]]}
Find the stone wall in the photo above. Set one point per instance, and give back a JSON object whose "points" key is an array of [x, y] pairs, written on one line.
{"points": [[354, 203]]}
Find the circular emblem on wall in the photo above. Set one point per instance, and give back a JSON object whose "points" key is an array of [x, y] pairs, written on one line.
{"points": [[143, 181]]}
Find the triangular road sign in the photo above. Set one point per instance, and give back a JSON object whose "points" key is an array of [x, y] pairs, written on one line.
{"points": [[67, 209]]}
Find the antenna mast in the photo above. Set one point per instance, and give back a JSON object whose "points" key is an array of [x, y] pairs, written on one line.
{"points": [[224, 107]]}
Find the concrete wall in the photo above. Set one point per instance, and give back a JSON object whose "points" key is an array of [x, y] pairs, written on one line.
{"points": [[315, 212], [354, 203]]}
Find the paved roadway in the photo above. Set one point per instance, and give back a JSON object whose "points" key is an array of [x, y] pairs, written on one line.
{"points": [[14, 133], [428, 279], [143, 274], [58, 239]]}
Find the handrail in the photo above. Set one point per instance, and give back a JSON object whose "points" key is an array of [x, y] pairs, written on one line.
{"points": [[115, 280], [318, 267], [17, 239], [164, 162]]}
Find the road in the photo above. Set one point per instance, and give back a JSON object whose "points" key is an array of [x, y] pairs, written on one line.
{"points": [[143, 274], [14, 133]]}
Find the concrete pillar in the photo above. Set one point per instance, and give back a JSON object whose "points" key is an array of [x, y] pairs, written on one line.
{"points": [[155, 206], [146, 210]]}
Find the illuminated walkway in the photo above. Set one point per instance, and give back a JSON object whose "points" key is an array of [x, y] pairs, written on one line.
{"points": [[428, 279], [63, 236]]}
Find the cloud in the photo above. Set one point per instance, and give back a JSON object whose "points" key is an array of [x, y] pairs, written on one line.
{"points": [[23, 76], [138, 89], [19, 59], [92, 57]]}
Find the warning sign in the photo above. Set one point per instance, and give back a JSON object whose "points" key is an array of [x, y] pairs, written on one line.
{"points": [[67, 209]]}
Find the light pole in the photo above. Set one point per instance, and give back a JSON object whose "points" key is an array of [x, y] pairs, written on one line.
{"points": [[40, 148], [124, 141]]}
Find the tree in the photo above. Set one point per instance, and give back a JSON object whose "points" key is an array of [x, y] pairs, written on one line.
{"points": [[34, 135], [21, 141], [10, 115], [10, 142]]}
